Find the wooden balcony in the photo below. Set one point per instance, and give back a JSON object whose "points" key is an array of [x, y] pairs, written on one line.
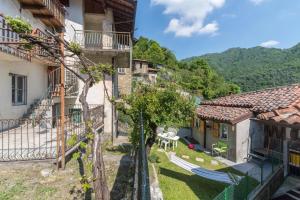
{"points": [[103, 41], [50, 12]]}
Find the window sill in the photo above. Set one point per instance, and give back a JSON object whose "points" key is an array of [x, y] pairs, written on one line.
{"points": [[224, 139], [19, 104]]}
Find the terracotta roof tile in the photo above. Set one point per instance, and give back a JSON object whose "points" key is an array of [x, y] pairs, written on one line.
{"points": [[225, 114], [289, 116], [263, 100], [281, 104]]}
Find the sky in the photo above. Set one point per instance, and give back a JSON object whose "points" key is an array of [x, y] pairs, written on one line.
{"points": [[196, 27]]}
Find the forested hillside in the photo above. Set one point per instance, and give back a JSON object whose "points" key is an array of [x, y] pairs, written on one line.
{"points": [[256, 68], [196, 77]]}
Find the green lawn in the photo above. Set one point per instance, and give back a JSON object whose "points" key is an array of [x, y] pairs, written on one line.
{"points": [[177, 183]]}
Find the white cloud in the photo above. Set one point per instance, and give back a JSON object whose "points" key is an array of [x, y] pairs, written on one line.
{"points": [[189, 16], [257, 2], [269, 44]]}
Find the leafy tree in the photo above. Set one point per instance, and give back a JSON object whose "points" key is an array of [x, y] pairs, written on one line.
{"points": [[256, 68], [155, 53], [160, 106], [196, 76], [151, 50]]}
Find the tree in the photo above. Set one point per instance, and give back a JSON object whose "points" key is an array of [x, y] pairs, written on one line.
{"points": [[90, 74], [160, 106], [154, 53]]}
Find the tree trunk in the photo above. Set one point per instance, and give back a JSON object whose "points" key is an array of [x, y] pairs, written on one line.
{"points": [[151, 139], [99, 178]]}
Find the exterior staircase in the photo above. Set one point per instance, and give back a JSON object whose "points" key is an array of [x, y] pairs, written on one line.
{"points": [[40, 109]]}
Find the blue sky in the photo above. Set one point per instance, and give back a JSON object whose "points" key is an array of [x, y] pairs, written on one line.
{"points": [[196, 27]]}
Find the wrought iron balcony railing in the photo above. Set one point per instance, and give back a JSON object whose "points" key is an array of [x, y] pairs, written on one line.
{"points": [[103, 41]]}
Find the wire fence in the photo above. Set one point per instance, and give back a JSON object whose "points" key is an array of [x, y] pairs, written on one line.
{"points": [[254, 179]]}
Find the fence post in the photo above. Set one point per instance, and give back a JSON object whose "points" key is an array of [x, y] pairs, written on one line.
{"points": [[247, 186], [226, 194], [62, 105], [261, 173]]}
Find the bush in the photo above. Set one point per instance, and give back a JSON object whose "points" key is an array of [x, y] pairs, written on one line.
{"points": [[153, 158], [18, 25]]}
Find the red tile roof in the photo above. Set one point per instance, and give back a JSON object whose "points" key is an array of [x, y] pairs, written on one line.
{"points": [[290, 115], [268, 104], [263, 100], [230, 115]]}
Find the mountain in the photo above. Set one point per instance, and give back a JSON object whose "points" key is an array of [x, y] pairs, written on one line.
{"points": [[256, 68]]}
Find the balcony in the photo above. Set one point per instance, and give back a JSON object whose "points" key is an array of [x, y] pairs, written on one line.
{"points": [[10, 43], [9, 39], [50, 12], [71, 83], [103, 41]]}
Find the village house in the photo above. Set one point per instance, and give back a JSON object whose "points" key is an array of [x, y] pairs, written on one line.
{"points": [[104, 30], [144, 71], [30, 80], [256, 124]]}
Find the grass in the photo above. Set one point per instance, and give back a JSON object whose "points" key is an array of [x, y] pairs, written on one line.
{"points": [[20, 181], [177, 183]]}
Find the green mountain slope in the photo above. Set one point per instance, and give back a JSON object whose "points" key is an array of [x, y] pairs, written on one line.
{"points": [[256, 68]]}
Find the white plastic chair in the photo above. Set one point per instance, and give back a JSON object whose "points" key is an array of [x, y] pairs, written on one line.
{"points": [[165, 143]]}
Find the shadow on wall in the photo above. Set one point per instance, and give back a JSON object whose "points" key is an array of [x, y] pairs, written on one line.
{"points": [[184, 132]]}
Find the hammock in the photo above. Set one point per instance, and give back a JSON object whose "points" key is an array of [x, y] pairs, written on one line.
{"points": [[208, 174]]}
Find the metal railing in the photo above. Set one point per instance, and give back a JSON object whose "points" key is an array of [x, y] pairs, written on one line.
{"points": [[141, 189], [9, 40], [11, 43], [255, 178], [71, 83], [27, 139], [101, 40], [39, 52]]}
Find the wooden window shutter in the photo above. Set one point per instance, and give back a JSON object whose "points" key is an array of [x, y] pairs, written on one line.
{"points": [[201, 129], [215, 129]]}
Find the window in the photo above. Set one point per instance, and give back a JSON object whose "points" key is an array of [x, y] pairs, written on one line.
{"points": [[19, 89], [121, 70], [141, 65], [224, 131], [65, 2], [295, 134]]}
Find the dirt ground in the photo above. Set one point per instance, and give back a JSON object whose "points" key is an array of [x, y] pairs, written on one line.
{"points": [[24, 180]]}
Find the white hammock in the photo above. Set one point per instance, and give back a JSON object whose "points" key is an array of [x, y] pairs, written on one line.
{"points": [[209, 174]]}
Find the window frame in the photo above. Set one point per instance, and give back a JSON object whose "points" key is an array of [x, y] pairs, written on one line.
{"points": [[15, 90], [121, 70], [221, 134]]}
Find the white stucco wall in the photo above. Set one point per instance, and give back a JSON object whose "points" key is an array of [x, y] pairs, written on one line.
{"points": [[36, 86], [242, 140], [12, 8], [74, 18]]}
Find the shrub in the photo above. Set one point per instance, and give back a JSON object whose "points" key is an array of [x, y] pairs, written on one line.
{"points": [[18, 25], [153, 158]]}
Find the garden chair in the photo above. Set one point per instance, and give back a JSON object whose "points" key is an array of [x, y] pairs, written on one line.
{"points": [[165, 143], [174, 141], [220, 148]]}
